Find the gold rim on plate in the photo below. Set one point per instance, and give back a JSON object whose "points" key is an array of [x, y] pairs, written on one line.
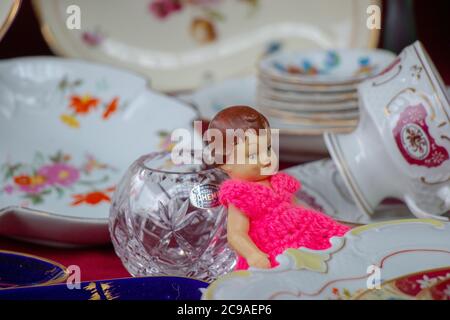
{"points": [[335, 151], [57, 280], [10, 18]]}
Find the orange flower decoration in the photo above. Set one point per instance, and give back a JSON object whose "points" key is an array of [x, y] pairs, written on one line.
{"points": [[111, 108], [84, 104], [22, 180], [203, 30], [92, 198]]}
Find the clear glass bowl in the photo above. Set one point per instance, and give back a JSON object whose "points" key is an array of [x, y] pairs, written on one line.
{"points": [[165, 220]]}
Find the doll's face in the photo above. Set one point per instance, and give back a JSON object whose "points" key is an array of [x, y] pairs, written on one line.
{"points": [[253, 159]]}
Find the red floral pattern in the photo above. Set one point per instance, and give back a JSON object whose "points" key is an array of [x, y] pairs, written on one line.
{"points": [[414, 140], [441, 291], [412, 285]]}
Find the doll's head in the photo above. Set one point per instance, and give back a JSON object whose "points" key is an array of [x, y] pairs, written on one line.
{"points": [[245, 151]]}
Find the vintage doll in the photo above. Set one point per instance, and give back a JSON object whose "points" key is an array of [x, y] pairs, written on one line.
{"points": [[263, 218]]}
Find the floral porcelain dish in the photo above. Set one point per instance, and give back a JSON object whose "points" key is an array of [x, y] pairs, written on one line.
{"points": [[23, 270], [214, 39], [365, 257], [8, 11], [68, 131], [333, 67]]}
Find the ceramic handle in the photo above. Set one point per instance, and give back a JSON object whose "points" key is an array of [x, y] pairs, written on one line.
{"points": [[444, 194], [420, 213]]}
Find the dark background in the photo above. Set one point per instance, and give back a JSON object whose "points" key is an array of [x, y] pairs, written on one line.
{"points": [[403, 22]]}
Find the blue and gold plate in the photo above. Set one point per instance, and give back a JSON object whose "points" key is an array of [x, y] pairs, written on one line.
{"points": [[146, 288], [19, 270]]}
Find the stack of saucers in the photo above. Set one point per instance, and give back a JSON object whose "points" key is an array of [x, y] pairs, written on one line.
{"points": [[305, 94]]}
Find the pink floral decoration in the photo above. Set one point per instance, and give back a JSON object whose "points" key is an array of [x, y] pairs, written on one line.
{"points": [[60, 174], [8, 189], [92, 39], [162, 9]]}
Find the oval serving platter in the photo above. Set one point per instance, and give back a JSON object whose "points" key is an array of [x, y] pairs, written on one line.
{"points": [[68, 131], [23, 270], [215, 39]]}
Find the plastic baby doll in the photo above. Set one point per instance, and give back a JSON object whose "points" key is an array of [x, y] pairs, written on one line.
{"points": [[263, 218]]}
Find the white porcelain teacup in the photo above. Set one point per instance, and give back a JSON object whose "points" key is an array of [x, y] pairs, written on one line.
{"points": [[401, 147]]}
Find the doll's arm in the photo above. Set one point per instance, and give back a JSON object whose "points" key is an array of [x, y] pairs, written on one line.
{"points": [[239, 240], [300, 203]]}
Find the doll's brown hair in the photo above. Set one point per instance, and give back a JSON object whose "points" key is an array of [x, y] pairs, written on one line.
{"points": [[238, 117]]}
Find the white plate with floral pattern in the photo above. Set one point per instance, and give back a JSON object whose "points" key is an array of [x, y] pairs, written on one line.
{"points": [[8, 11], [325, 67], [365, 257], [183, 44], [68, 131]]}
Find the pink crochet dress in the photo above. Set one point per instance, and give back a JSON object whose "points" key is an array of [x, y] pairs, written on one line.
{"points": [[277, 224]]}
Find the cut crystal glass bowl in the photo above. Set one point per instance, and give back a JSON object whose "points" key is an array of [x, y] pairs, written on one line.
{"points": [[165, 219]]}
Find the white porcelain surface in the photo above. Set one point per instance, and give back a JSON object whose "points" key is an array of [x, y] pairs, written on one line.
{"points": [[308, 126], [323, 189], [210, 39], [326, 67], [330, 108], [8, 11], [343, 271], [68, 131], [212, 98], [401, 146], [317, 99], [298, 142], [318, 89]]}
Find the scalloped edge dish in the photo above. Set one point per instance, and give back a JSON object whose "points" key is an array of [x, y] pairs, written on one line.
{"points": [[210, 44], [68, 131]]}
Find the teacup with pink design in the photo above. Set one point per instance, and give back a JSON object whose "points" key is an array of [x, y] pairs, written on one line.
{"points": [[401, 147]]}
